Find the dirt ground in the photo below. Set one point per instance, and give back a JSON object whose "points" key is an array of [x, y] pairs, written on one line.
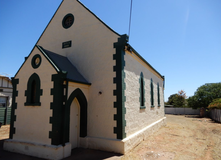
{"points": [[183, 138], [4, 132]]}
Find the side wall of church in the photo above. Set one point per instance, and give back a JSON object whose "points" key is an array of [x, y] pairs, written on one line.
{"points": [[138, 117]]}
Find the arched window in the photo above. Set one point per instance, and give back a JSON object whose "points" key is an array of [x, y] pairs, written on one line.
{"points": [[142, 92], [151, 94], [158, 94], [33, 91]]}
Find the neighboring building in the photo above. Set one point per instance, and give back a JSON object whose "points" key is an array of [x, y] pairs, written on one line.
{"points": [[5, 91], [5, 99], [83, 85]]}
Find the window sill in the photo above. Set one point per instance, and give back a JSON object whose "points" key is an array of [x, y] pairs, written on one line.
{"points": [[33, 104], [152, 106], [142, 107], [159, 105]]}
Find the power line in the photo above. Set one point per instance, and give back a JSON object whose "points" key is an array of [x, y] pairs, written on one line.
{"points": [[130, 18]]}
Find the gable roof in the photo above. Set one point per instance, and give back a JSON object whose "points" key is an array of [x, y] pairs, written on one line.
{"points": [[98, 18], [65, 66], [87, 10], [62, 64]]}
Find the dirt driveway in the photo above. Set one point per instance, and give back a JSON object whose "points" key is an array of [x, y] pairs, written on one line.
{"points": [[183, 138]]}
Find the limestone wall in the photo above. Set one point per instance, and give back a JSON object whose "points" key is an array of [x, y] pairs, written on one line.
{"points": [[137, 118]]}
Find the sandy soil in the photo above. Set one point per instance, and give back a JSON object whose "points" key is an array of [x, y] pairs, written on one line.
{"points": [[183, 138], [4, 132]]}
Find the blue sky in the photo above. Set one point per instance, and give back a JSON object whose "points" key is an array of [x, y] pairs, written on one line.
{"points": [[181, 39]]}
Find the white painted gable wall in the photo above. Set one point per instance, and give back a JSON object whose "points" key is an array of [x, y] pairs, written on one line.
{"points": [[92, 53], [32, 122]]}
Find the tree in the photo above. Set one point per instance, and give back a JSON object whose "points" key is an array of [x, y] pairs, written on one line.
{"points": [[178, 99], [171, 99], [204, 95], [216, 103]]}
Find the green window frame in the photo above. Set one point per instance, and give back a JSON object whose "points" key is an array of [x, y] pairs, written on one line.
{"points": [[36, 61], [68, 21], [151, 93], [33, 91], [142, 91], [158, 94]]}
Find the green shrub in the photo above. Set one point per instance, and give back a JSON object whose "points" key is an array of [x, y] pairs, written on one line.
{"points": [[205, 95], [216, 103]]}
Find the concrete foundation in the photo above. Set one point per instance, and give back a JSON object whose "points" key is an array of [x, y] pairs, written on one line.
{"points": [[38, 150], [125, 145], [60, 152]]}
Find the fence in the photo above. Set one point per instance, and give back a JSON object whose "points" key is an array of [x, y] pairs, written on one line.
{"points": [[215, 114], [182, 111], [5, 115]]}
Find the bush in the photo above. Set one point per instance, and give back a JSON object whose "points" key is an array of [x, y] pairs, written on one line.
{"points": [[204, 95], [178, 99], [215, 104]]}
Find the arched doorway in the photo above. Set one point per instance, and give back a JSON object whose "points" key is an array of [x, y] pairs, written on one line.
{"points": [[76, 117]]}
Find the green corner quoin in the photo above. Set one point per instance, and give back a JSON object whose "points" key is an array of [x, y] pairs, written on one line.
{"points": [[14, 106], [57, 107], [119, 130], [60, 106]]}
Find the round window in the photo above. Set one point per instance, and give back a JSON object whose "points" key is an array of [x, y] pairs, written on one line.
{"points": [[36, 61], [68, 20]]}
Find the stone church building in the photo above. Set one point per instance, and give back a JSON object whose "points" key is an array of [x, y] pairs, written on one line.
{"points": [[83, 85]]}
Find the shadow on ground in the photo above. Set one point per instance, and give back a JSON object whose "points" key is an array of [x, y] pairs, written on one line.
{"points": [[192, 116], [199, 118], [5, 155], [81, 154], [76, 154]]}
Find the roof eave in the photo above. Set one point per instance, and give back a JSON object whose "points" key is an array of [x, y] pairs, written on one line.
{"points": [[98, 18], [49, 59], [70, 80], [135, 52]]}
